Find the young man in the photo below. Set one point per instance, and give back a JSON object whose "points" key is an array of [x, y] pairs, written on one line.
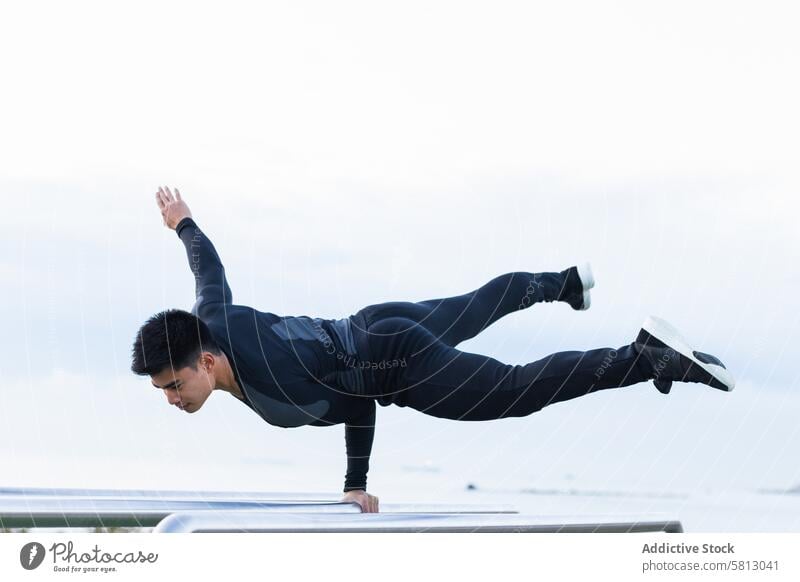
{"points": [[295, 371]]}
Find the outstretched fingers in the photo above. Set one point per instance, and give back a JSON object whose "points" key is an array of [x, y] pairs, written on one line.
{"points": [[164, 196]]}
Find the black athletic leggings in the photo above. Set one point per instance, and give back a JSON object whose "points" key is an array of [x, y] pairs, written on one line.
{"points": [[415, 343]]}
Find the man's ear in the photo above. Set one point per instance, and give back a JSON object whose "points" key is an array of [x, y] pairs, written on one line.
{"points": [[207, 361]]}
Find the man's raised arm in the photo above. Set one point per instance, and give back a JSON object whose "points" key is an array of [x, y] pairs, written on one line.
{"points": [[211, 286]]}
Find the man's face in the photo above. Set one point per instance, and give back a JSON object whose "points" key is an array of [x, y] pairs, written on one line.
{"points": [[186, 389]]}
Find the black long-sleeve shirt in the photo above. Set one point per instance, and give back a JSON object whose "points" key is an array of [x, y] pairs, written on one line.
{"points": [[292, 370]]}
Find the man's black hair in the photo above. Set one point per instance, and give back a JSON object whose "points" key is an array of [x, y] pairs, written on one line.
{"points": [[171, 339]]}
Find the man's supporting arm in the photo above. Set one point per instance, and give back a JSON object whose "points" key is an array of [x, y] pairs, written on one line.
{"points": [[359, 433]]}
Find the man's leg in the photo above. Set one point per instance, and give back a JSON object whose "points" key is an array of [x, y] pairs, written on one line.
{"points": [[441, 381], [453, 320]]}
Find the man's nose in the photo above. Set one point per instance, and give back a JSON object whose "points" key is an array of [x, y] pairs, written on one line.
{"points": [[173, 397]]}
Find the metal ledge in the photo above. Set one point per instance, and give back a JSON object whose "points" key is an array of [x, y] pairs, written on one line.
{"points": [[263, 522], [114, 509], [232, 511], [86, 512]]}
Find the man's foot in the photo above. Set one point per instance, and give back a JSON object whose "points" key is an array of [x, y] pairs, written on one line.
{"points": [[576, 291], [671, 358]]}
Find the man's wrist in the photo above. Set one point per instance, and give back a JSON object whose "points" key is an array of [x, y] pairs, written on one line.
{"points": [[186, 220]]}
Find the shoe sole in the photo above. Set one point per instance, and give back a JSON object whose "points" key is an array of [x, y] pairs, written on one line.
{"points": [[666, 333], [587, 281]]}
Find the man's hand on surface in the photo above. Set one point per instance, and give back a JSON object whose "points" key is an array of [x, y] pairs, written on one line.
{"points": [[368, 503], [173, 208]]}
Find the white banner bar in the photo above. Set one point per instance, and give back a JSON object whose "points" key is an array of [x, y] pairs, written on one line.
{"points": [[335, 557]]}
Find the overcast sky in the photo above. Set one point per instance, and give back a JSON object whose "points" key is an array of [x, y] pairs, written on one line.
{"points": [[348, 153]]}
